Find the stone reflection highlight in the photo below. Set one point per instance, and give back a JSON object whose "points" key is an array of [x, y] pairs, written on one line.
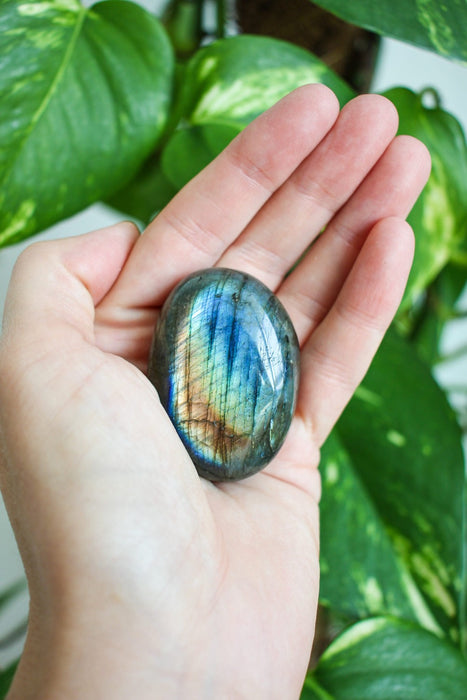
{"points": [[225, 362]]}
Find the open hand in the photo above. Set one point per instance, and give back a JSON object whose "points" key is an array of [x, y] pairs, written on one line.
{"points": [[147, 581]]}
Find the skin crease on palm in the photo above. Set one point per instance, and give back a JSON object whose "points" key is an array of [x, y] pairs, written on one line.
{"points": [[147, 581]]}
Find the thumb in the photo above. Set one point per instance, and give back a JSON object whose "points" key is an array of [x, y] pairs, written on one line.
{"points": [[58, 283]]}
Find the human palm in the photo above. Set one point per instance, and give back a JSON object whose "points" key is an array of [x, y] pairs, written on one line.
{"points": [[204, 590]]}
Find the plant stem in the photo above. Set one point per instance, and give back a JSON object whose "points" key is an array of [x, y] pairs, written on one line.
{"points": [[183, 20], [220, 18]]}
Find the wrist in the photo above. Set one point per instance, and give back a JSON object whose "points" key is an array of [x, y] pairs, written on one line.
{"points": [[110, 656]]}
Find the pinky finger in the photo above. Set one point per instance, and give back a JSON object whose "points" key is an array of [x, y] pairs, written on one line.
{"points": [[337, 355]]}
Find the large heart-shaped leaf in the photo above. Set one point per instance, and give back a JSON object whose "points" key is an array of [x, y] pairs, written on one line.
{"points": [[362, 574], [405, 446], [85, 95], [388, 659], [439, 218], [439, 26]]}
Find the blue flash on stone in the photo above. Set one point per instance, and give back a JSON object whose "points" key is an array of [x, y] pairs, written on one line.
{"points": [[225, 361]]}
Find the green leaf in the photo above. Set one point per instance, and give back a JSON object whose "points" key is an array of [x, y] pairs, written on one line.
{"points": [[234, 80], [405, 445], [425, 325], [388, 659], [313, 691], [439, 26], [8, 637], [189, 150], [85, 95], [225, 86], [146, 194], [6, 678], [439, 218], [362, 574]]}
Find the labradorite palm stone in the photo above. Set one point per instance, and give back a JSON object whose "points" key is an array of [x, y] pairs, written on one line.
{"points": [[225, 362]]}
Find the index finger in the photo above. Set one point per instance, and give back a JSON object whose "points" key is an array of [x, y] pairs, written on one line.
{"points": [[211, 211]]}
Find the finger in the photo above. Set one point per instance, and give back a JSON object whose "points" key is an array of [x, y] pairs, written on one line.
{"points": [[390, 190], [58, 283], [193, 231], [308, 200], [339, 352]]}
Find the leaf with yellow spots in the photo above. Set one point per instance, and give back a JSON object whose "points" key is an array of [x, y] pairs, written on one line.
{"points": [[385, 658], [439, 217], [362, 573], [85, 95], [403, 471], [229, 83]]}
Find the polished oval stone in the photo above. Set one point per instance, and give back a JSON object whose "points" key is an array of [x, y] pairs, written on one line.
{"points": [[225, 361]]}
